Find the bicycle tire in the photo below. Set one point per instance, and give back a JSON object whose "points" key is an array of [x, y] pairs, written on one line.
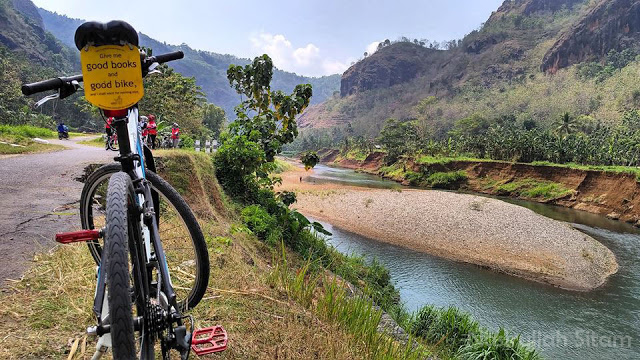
{"points": [[182, 208], [120, 222], [112, 144]]}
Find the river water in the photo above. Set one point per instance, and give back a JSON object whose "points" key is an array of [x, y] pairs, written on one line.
{"points": [[601, 324]]}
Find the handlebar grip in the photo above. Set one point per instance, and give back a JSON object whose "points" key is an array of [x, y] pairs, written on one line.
{"points": [[40, 86], [177, 55], [46, 85]]}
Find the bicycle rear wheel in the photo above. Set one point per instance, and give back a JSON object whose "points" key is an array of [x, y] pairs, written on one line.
{"points": [[122, 231], [182, 239]]}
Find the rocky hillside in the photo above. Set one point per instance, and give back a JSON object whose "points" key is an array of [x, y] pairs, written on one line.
{"points": [[209, 69], [609, 25], [29, 53], [22, 31], [526, 52]]}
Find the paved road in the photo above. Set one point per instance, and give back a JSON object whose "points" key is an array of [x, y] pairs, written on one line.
{"points": [[39, 197]]}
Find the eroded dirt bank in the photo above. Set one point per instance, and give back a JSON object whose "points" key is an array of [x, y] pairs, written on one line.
{"points": [[615, 195], [460, 227]]}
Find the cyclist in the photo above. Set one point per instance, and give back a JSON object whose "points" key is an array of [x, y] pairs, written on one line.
{"points": [[63, 131], [175, 135], [108, 130], [152, 129]]}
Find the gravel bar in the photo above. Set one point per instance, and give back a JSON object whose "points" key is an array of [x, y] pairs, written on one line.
{"points": [[467, 228]]}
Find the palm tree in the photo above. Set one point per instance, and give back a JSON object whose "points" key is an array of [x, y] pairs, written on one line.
{"points": [[565, 125]]}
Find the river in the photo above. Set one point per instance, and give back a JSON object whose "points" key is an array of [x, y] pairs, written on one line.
{"points": [[601, 324]]}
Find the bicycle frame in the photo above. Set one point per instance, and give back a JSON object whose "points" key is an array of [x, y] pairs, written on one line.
{"points": [[158, 314], [150, 254]]}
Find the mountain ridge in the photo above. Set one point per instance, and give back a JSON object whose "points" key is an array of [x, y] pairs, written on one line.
{"points": [[207, 67], [519, 48]]}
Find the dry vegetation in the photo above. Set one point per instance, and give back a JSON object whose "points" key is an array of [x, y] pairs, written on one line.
{"points": [[252, 293]]}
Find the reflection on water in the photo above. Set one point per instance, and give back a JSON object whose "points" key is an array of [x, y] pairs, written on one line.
{"points": [[600, 324], [323, 174]]}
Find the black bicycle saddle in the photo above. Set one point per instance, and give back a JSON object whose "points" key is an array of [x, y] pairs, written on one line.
{"points": [[116, 32]]}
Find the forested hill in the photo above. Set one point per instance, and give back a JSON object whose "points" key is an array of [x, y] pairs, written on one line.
{"points": [[532, 59], [208, 68], [29, 53]]}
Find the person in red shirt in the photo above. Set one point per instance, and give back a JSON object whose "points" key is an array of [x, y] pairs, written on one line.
{"points": [[175, 135], [152, 129], [108, 130]]}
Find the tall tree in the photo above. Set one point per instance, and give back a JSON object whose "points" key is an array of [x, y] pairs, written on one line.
{"points": [[266, 117], [566, 124], [173, 98], [214, 118]]}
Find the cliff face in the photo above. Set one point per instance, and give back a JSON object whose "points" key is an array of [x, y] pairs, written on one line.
{"points": [[28, 9], [21, 31], [389, 66], [611, 25], [485, 55]]}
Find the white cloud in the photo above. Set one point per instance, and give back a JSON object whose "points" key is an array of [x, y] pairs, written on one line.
{"points": [[306, 55], [307, 60], [335, 67], [371, 48]]}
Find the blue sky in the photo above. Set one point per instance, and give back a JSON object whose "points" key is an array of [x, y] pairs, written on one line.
{"points": [[307, 37]]}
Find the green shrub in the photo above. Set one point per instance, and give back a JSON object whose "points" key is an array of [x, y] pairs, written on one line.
{"points": [[236, 162], [187, 142], [450, 327], [258, 220], [447, 180], [497, 346], [414, 178], [534, 189]]}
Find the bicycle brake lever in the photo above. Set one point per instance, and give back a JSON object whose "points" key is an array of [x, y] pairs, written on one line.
{"points": [[153, 69], [45, 99]]}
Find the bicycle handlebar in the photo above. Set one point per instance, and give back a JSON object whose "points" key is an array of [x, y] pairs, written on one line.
{"points": [[59, 82], [51, 84], [176, 55]]}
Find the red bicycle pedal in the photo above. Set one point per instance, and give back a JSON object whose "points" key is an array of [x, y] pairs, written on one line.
{"points": [[77, 236], [209, 340]]}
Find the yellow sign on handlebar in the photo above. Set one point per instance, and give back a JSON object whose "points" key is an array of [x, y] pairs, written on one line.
{"points": [[112, 76]]}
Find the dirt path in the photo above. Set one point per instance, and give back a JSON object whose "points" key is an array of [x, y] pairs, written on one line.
{"points": [[40, 198]]}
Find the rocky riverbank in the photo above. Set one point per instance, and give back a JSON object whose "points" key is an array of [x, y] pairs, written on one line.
{"points": [[608, 193], [460, 227]]}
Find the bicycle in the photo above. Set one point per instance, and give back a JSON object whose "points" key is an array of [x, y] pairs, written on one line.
{"points": [[112, 142], [125, 207]]}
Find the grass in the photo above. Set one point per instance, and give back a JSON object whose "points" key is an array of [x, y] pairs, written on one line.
{"points": [[532, 189], [489, 346], [282, 166], [46, 311], [448, 328], [29, 148], [395, 171], [327, 297], [97, 142], [457, 335], [446, 180], [613, 169], [444, 160], [432, 160], [27, 131]]}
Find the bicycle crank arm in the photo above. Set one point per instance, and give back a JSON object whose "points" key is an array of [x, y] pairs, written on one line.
{"points": [[78, 236]]}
